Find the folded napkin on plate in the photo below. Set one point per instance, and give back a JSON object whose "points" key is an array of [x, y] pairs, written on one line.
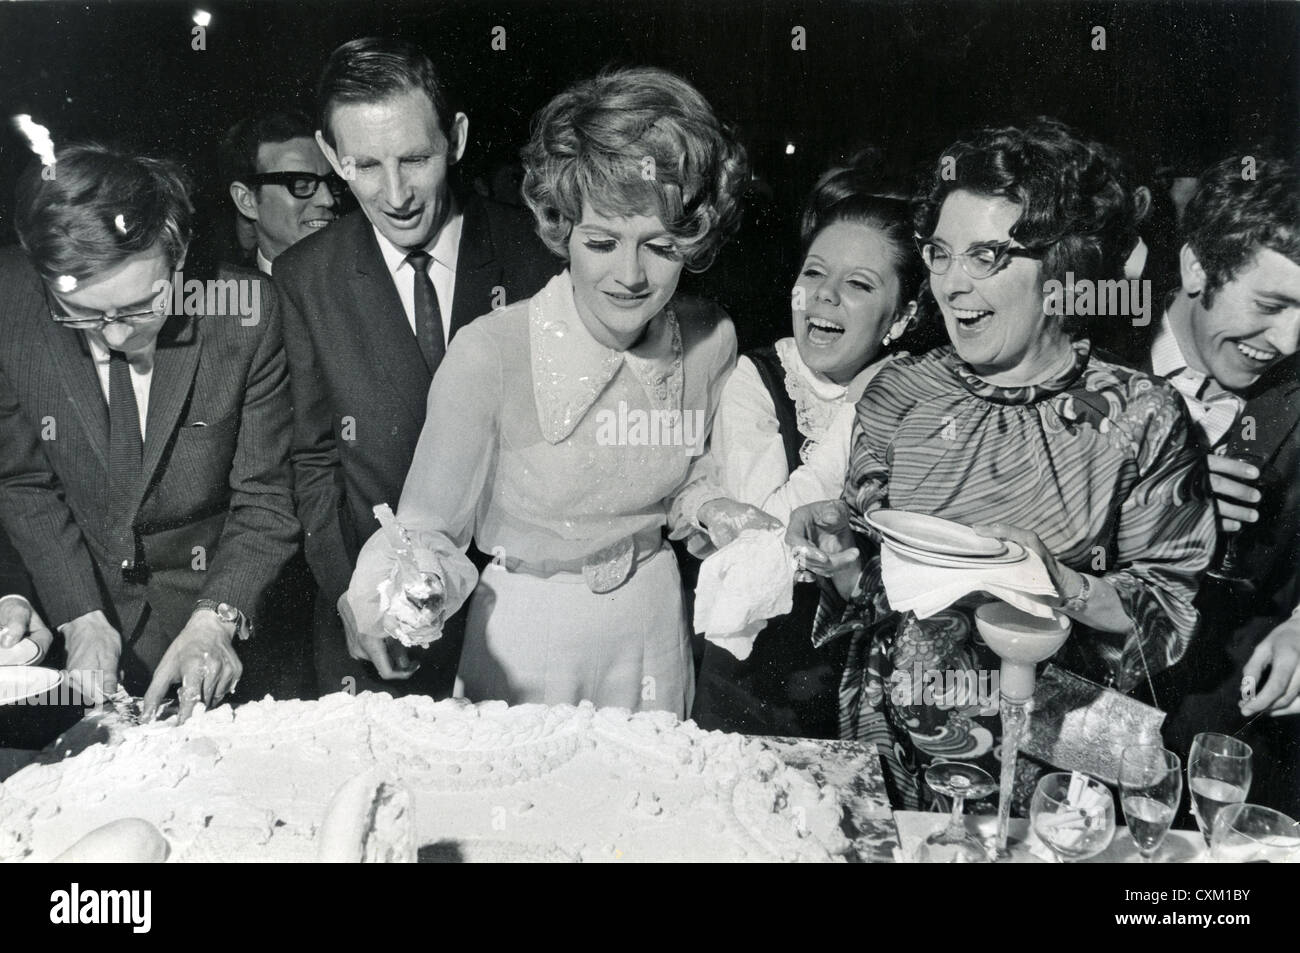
{"points": [[741, 586], [926, 589]]}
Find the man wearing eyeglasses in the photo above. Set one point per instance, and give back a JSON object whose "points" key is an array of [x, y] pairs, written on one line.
{"points": [[370, 306], [144, 479], [279, 180]]}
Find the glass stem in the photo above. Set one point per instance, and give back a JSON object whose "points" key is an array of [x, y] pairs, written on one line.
{"points": [[955, 826]]}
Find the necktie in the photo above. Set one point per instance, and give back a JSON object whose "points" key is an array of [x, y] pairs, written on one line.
{"points": [[125, 453], [1212, 408], [428, 316]]}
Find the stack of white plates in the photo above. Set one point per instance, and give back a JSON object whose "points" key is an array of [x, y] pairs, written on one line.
{"points": [[939, 542]]}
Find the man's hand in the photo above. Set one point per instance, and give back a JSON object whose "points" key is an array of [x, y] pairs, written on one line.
{"points": [[202, 659], [1279, 654], [726, 519], [18, 620], [1234, 497], [388, 656], [820, 535], [94, 651]]}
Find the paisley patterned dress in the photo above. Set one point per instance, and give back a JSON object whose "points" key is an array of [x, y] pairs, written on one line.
{"points": [[1100, 462]]}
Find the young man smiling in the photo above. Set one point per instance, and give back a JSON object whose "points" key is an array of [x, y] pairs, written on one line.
{"points": [[371, 304], [1228, 342]]}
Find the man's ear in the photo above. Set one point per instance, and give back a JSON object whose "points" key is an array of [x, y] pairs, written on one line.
{"points": [[244, 201], [333, 158], [459, 138], [1191, 272]]}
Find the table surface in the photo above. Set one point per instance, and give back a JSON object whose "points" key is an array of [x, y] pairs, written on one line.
{"points": [[1179, 847]]}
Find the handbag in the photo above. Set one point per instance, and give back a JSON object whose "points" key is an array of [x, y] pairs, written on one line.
{"points": [[1079, 725]]}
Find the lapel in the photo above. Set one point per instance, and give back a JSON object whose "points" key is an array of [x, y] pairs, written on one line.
{"points": [[1274, 403], [76, 372], [477, 273], [176, 359], [378, 321]]}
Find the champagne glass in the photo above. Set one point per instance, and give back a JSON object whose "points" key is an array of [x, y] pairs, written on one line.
{"points": [[1151, 788], [1218, 774], [1251, 834], [952, 844], [1073, 814]]}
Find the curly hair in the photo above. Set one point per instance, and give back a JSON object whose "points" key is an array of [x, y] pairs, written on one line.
{"points": [[638, 141], [1075, 209], [1244, 203], [102, 206], [853, 193]]}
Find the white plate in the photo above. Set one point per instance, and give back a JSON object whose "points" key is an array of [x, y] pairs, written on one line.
{"points": [[23, 681], [1015, 553], [933, 534], [25, 651]]}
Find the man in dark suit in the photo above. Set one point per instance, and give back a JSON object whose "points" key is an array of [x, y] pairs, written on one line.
{"points": [[145, 477], [18, 617], [1228, 341], [370, 305]]}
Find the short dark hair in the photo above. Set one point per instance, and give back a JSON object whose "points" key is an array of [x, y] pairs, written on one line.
{"points": [[375, 68], [1232, 216], [854, 193], [101, 206], [1074, 207], [238, 157]]}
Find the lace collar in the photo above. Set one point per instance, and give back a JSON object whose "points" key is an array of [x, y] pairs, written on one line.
{"points": [[1024, 394], [571, 368], [817, 398]]}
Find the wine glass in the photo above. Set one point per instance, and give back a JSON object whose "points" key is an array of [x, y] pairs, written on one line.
{"points": [[1073, 814], [1251, 834], [1218, 774], [1150, 790], [952, 844], [1230, 569]]}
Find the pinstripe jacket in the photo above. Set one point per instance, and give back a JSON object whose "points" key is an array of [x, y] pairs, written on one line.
{"points": [[214, 516]]}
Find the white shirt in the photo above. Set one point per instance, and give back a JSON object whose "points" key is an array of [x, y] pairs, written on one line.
{"points": [[746, 454], [140, 379], [263, 263], [444, 251]]}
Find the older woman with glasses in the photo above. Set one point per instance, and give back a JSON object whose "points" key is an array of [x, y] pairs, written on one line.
{"points": [[1021, 431]]}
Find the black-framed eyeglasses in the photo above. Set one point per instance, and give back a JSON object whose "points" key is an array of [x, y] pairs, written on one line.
{"points": [[979, 261], [301, 185], [96, 322]]}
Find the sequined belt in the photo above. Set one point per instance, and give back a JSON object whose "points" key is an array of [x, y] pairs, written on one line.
{"points": [[606, 569]]}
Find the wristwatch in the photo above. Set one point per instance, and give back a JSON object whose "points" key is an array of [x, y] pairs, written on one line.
{"points": [[228, 613], [1077, 603]]}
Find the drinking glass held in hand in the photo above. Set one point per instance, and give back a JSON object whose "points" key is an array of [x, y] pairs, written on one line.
{"points": [[1151, 788], [1218, 774], [1073, 814], [1251, 834]]}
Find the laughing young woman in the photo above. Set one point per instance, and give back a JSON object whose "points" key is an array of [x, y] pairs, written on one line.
{"points": [[632, 179], [1020, 430], [781, 438]]}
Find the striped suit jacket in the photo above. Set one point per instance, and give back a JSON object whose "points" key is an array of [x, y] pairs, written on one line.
{"points": [[214, 514]]}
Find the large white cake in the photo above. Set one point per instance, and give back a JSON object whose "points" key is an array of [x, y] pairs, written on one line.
{"points": [[481, 782]]}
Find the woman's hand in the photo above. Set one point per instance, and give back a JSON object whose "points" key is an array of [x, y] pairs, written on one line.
{"points": [[1068, 582], [725, 519], [819, 534]]}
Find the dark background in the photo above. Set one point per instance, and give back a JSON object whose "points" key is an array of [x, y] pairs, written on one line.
{"points": [[1179, 84]]}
